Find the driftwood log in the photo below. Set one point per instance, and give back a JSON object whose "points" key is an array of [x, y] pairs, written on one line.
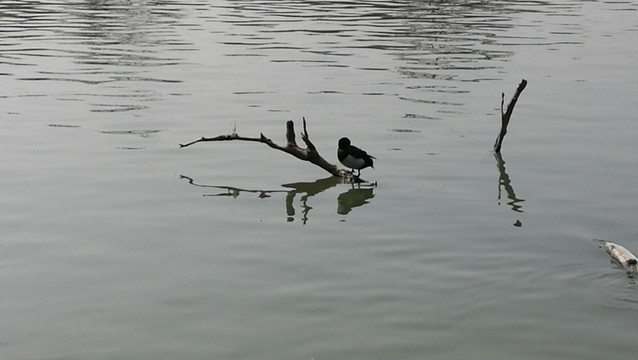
{"points": [[310, 153], [505, 116]]}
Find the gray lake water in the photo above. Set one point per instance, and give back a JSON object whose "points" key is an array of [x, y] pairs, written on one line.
{"points": [[117, 244]]}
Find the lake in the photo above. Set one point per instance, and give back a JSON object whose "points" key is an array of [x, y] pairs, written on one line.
{"points": [[118, 244]]}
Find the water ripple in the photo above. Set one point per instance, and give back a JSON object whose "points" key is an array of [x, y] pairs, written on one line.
{"points": [[85, 47], [92, 44], [451, 41]]}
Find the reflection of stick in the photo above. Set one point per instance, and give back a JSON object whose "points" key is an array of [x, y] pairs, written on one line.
{"points": [[504, 181], [505, 116], [310, 153]]}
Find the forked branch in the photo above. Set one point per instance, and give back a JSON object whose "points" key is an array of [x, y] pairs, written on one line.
{"points": [[310, 153], [505, 116]]}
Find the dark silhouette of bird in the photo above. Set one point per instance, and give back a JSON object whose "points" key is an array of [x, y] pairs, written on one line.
{"points": [[353, 157]]}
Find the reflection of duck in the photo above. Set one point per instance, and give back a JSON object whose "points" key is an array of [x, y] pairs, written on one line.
{"points": [[353, 157], [353, 198]]}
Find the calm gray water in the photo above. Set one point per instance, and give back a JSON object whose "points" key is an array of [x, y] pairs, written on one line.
{"points": [[117, 244]]}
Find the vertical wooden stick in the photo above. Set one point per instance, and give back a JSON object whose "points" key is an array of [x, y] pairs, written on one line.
{"points": [[505, 116]]}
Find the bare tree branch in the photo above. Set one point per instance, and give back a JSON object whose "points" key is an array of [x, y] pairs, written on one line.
{"points": [[309, 154], [505, 116]]}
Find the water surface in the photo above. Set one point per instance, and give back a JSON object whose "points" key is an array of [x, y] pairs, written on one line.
{"points": [[118, 244]]}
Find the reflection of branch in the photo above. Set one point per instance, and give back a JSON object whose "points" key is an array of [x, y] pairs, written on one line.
{"points": [[307, 189], [310, 153], [505, 116], [505, 182], [354, 197], [230, 190], [313, 188]]}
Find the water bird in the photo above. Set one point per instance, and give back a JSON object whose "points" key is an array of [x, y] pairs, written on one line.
{"points": [[353, 157]]}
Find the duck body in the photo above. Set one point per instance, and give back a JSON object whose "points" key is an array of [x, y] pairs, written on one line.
{"points": [[353, 157]]}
